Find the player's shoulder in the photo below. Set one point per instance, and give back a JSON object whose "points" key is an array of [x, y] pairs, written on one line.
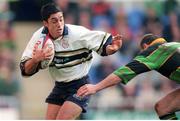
{"points": [[39, 33], [76, 28]]}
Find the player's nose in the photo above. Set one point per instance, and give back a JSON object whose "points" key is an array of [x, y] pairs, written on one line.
{"points": [[59, 24]]}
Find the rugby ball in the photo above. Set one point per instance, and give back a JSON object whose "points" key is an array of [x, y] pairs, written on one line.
{"points": [[48, 43]]}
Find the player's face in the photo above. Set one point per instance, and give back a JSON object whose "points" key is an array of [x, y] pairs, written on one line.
{"points": [[55, 24]]}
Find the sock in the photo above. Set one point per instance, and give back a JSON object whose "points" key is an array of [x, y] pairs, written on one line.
{"points": [[170, 116]]}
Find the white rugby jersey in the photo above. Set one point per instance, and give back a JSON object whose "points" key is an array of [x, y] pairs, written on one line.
{"points": [[73, 51]]}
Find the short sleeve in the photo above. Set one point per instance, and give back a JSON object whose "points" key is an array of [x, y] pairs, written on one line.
{"points": [[27, 54], [95, 40], [132, 69]]}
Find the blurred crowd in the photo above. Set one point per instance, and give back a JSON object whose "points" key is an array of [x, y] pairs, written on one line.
{"points": [[8, 76], [132, 19], [9, 83]]}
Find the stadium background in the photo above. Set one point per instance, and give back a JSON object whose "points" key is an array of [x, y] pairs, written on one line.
{"points": [[23, 98]]}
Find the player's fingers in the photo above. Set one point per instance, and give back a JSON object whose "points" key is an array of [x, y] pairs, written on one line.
{"points": [[34, 50], [82, 92], [36, 45], [84, 86], [86, 94], [48, 55], [48, 58], [46, 46], [48, 50], [120, 36], [81, 89], [110, 47], [117, 37]]}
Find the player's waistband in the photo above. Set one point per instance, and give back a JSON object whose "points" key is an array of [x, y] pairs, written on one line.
{"points": [[84, 80]]}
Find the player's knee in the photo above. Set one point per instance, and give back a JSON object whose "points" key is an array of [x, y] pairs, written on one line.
{"points": [[161, 108], [157, 107]]}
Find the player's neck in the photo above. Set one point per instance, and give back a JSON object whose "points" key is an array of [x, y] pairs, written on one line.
{"points": [[54, 38]]}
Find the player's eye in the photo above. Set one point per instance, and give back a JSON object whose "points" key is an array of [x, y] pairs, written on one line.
{"points": [[54, 22]]}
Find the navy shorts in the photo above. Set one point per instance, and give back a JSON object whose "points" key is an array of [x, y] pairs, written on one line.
{"points": [[67, 92]]}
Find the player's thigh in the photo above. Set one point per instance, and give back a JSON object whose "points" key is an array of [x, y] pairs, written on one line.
{"points": [[69, 111], [52, 111], [171, 102]]}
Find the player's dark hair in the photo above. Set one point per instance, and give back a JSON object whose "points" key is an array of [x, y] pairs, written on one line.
{"points": [[49, 9], [147, 39]]}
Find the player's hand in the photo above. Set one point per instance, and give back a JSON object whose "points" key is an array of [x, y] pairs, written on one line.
{"points": [[41, 54], [48, 52], [87, 89], [115, 45]]}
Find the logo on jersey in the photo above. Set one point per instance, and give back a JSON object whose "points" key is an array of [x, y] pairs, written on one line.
{"points": [[64, 43]]}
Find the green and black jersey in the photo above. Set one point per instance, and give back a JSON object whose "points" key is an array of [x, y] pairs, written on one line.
{"points": [[164, 58]]}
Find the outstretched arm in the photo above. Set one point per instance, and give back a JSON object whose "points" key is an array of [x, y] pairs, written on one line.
{"points": [[115, 45], [89, 89]]}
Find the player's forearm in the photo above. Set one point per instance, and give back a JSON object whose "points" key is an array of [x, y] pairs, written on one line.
{"points": [[31, 66], [111, 80]]}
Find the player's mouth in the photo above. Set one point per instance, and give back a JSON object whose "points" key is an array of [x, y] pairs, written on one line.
{"points": [[59, 31]]}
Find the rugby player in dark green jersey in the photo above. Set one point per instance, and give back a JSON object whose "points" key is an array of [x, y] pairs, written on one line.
{"points": [[156, 54]]}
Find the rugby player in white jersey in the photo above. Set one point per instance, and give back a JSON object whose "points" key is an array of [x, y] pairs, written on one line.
{"points": [[71, 63]]}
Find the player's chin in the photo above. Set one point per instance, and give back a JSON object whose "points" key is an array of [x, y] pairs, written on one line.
{"points": [[58, 34]]}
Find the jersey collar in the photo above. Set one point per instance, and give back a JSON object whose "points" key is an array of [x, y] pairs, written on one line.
{"points": [[65, 32]]}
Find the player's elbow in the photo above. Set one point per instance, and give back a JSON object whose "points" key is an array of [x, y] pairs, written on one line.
{"points": [[22, 69]]}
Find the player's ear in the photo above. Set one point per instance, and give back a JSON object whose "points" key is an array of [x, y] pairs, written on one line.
{"points": [[145, 46], [45, 23]]}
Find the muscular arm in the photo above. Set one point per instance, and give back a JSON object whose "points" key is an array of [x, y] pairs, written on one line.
{"points": [[109, 81], [31, 66], [123, 74], [89, 89]]}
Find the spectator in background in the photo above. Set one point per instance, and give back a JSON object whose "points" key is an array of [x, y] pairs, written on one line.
{"points": [[129, 95], [85, 14], [70, 10], [9, 84], [171, 24], [85, 19], [103, 69], [152, 22], [9, 81], [101, 11]]}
